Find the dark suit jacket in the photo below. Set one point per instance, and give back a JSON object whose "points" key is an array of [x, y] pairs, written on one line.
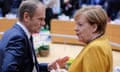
{"points": [[15, 53]]}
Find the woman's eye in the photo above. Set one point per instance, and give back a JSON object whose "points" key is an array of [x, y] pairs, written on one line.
{"points": [[80, 24]]}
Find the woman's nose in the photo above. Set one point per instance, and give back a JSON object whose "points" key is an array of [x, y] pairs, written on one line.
{"points": [[75, 28]]}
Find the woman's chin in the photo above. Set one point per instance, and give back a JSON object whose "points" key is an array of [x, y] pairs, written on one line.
{"points": [[79, 39]]}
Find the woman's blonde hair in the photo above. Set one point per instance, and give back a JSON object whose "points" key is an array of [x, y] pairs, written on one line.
{"points": [[94, 15]]}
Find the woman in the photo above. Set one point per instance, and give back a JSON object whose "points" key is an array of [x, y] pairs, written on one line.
{"points": [[90, 28]]}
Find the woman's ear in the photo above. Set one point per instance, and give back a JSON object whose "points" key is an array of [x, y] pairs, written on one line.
{"points": [[94, 28]]}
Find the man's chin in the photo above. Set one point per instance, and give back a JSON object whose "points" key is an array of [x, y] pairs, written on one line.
{"points": [[36, 32]]}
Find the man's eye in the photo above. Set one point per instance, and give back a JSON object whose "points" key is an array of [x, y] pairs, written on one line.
{"points": [[41, 19]]}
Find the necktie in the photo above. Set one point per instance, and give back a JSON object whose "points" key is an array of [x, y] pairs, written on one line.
{"points": [[33, 55]]}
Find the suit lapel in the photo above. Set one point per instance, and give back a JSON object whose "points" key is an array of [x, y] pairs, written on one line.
{"points": [[33, 54], [31, 47]]}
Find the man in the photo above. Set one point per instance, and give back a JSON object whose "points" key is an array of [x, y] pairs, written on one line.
{"points": [[16, 50]]}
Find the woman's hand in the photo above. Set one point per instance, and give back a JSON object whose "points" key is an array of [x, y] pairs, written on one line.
{"points": [[61, 62]]}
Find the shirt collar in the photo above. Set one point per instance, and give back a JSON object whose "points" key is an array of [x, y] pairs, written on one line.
{"points": [[25, 29]]}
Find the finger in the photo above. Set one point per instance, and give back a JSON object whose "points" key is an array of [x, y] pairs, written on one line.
{"points": [[64, 59], [57, 65], [58, 68]]}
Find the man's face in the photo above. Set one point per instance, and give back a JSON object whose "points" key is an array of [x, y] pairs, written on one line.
{"points": [[37, 21]]}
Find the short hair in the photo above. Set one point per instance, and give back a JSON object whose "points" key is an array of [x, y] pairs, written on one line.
{"points": [[94, 15], [27, 6]]}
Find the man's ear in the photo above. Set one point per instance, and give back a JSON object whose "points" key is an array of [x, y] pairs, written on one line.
{"points": [[94, 28], [26, 17]]}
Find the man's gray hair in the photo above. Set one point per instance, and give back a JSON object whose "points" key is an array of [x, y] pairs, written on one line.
{"points": [[27, 6]]}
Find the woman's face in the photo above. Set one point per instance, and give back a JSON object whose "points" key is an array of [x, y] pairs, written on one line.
{"points": [[84, 30]]}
